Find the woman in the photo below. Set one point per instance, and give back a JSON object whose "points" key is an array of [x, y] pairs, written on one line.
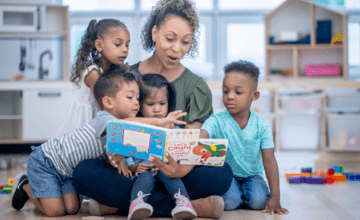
{"points": [[172, 26]]}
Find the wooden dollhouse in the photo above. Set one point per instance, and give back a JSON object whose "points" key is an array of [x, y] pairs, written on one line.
{"points": [[305, 40]]}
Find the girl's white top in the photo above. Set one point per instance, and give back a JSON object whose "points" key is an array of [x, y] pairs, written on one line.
{"points": [[83, 106]]}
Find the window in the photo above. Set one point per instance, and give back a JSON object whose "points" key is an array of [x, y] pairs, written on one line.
{"points": [[96, 5], [228, 32]]}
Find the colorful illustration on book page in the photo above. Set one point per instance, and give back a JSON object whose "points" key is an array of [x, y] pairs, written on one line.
{"points": [[209, 152], [134, 140]]}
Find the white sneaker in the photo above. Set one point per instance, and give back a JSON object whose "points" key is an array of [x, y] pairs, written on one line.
{"points": [[183, 208], [94, 207], [140, 209]]}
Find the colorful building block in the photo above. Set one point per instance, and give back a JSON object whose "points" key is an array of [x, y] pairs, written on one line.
{"points": [[314, 180], [339, 177], [11, 181], [330, 171], [329, 179], [337, 168], [294, 179], [306, 170], [1, 187], [354, 177], [287, 175]]}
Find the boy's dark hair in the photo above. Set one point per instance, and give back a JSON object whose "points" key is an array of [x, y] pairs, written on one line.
{"points": [[87, 51], [149, 81], [111, 81], [245, 67]]}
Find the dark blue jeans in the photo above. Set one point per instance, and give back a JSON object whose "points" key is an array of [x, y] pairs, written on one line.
{"points": [[145, 182], [100, 181]]}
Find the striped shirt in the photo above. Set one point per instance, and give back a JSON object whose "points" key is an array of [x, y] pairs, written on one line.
{"points": [[83, 143]]}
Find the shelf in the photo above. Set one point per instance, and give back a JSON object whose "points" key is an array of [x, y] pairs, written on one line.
{"points": [[303, 46], [20, 141], [10, 117], [63, 33]]}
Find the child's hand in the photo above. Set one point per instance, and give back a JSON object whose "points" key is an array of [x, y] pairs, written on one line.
{"points": [[171, 119], [124, 170], [142, 167], [155, 171], [273, 205]]}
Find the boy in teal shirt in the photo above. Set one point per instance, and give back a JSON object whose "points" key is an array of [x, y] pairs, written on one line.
{"points": [[251, 146]]}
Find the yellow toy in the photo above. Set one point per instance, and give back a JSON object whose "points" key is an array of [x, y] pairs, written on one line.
{"points": [[337, 39], [10, 181]]}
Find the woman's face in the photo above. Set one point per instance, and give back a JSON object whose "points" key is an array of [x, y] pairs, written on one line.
{"points": [[172, 40]]}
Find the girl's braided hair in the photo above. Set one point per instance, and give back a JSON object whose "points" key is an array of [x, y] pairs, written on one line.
{"points": [[87, 53], [165, 9]]}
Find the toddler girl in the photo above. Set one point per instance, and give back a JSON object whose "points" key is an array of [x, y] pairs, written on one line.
{"points": [[105, 42], [157, 97]]}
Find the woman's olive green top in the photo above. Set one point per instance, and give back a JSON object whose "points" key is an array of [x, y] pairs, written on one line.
{"points": [[192, 95]]}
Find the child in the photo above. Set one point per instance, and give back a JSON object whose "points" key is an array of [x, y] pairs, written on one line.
{"points": [[105, 42], [251, 146], [50, 166], [157, 99]]}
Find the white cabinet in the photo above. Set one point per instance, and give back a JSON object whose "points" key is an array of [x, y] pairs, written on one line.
{"points": [[32, 112], [43, 112]]}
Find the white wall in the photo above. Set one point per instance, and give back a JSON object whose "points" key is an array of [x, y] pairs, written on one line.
{"points": [[55, 2]]}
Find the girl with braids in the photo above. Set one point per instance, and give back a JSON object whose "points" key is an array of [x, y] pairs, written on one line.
{"points": [[171, 31], [104, 43]]}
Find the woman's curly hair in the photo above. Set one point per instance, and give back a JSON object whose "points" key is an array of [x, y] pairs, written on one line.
{"points": [[87, 53], [165, 9]]}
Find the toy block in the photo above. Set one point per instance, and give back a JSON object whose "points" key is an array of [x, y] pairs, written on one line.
{"points": [[287, 175], [354, 177], [330, 171], [329, 179], [1, 187], [11, 181], [294, 179], [306, 170], [92, 218], [341, 169], [302, 179], [339, 177], [314, 180]]}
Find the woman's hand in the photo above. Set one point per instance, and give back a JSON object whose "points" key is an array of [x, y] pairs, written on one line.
{"points": [[172, 169], [171, 119], [114, 159], [273, 206]]}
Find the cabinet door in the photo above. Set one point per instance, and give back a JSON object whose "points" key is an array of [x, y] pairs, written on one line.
{"points": [[44, 111]]}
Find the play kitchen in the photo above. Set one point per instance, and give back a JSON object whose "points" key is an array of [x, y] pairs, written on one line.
{"points": [[29, 51], [36, 57]]}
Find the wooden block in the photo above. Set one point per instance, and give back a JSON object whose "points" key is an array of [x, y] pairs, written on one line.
{"points": [[92, 218], [11, 181]]}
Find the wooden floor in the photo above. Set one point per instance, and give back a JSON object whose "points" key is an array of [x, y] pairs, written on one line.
{"points": [[336, 201]]}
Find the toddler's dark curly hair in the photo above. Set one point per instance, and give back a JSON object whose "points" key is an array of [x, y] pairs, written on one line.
{"points": [[165, 9]]}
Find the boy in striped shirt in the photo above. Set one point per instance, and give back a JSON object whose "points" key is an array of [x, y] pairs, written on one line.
{"points": [[48, 183]]}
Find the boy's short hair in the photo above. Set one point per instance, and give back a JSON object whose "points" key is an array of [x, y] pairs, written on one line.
{"points": [[111, 81], [244, 67]]}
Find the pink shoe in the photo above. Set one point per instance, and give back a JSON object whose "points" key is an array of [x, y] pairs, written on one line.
{"points": [[183, 208], [140, 209]]}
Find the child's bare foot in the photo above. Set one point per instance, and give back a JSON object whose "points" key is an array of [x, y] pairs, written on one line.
{"points": [[97, 209], [209, 207]]}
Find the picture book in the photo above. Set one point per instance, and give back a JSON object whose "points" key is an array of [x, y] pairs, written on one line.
{"points": [[184, 145]]}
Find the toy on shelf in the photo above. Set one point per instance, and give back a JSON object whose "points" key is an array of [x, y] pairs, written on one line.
{"points": [[331, 69], [334, 174], [337, 39]]}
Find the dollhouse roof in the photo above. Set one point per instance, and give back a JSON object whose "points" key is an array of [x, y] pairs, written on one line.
{"points": [[288, 2]]}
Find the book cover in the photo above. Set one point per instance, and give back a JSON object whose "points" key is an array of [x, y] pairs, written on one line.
{"points": [[142, 140]]}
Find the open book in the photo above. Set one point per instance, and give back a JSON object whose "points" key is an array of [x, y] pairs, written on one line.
{"points": [[184, 145]]}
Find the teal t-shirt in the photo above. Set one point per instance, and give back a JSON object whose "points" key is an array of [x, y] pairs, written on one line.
{"points": [[244, 151]]}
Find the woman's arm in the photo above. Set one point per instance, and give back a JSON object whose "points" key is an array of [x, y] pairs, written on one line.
{"points": [[172, 169], [194, 125]]}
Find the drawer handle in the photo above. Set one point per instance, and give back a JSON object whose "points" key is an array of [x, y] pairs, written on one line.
{"points": [[49, 94]]}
